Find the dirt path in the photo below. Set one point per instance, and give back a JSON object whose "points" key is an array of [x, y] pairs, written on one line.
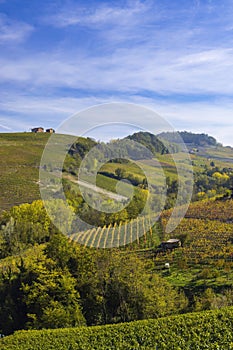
{"points": [[112, 195]]}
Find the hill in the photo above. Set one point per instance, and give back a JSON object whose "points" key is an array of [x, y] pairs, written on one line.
{"points": [[47, 281], [205, 259], [189, 138], [150, 141], [21, 153], [32, 253], [207, 330]]}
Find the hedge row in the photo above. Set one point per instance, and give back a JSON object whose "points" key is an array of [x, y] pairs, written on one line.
{"points": [[212, 330]]}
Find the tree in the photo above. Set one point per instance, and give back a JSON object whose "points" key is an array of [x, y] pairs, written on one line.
{"points": [[122, 288], [51, 298], [120, 173], [38, 294], [133, 293], [205, 300], [23, 226]]}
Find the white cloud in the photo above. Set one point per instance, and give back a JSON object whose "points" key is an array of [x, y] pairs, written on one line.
{"points": [[212, 118], [101, 14], [5, 127], [13, 123], [13, 31], [168, 60], [134, 70], [141, 49]]}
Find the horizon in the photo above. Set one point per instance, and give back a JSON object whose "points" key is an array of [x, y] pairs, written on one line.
{"points": [[107, 139], [60, 58]]}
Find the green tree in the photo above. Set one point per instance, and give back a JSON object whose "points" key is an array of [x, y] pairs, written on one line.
{"points": [[52, 300], [23, 226], [36, 293], [120, 173]]}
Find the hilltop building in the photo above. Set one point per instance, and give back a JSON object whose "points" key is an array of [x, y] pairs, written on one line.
{"points": [[50, 130], [39, 129]]}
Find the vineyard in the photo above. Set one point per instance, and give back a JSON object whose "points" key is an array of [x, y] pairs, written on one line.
{"points": [[115, 235], [210, 330], [198, 272], [205, 230], [219, 210], [206, 235], [204, 240]]}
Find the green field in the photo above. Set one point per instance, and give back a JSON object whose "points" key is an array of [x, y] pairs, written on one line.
{"points": [[20, 155]]}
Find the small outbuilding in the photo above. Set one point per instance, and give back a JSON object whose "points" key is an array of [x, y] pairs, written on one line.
{"points": [[170, 244], [50, 130]]}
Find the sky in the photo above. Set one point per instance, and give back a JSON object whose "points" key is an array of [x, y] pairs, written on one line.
{"points": [[59, 57]]}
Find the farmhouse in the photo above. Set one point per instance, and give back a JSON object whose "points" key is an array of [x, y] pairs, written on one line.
{"points": [[39, 129]]}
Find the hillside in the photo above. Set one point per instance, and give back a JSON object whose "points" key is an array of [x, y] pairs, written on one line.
{"points": [[189, 138], [202, 145], [207, 330], [21, 153], [47, 281], [205, 259], [150, 141]]}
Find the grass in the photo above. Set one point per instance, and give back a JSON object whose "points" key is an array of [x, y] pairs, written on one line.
{"points": [[147, 166], [106, 183], [128, 167], [20, 155], [187, 277]]}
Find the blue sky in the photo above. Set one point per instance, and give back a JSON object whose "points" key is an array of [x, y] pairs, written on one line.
{"points": [[59, 57]]}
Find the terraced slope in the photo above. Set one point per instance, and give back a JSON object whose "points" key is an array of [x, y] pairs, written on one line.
{"points": [[20, 155], [206, 330]]}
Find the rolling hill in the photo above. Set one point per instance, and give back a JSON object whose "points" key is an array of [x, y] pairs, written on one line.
{"points": [[20, 155]]}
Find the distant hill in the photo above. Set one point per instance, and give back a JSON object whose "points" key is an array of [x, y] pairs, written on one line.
{"points": [[150, 141], [189, 138]]}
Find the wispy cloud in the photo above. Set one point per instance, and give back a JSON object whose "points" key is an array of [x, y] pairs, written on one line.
{"points": [[171, 60], [5, 127], [176, 57], [12, 30], [135, 70], [99, 14], [214, 118], [9, 123]]}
